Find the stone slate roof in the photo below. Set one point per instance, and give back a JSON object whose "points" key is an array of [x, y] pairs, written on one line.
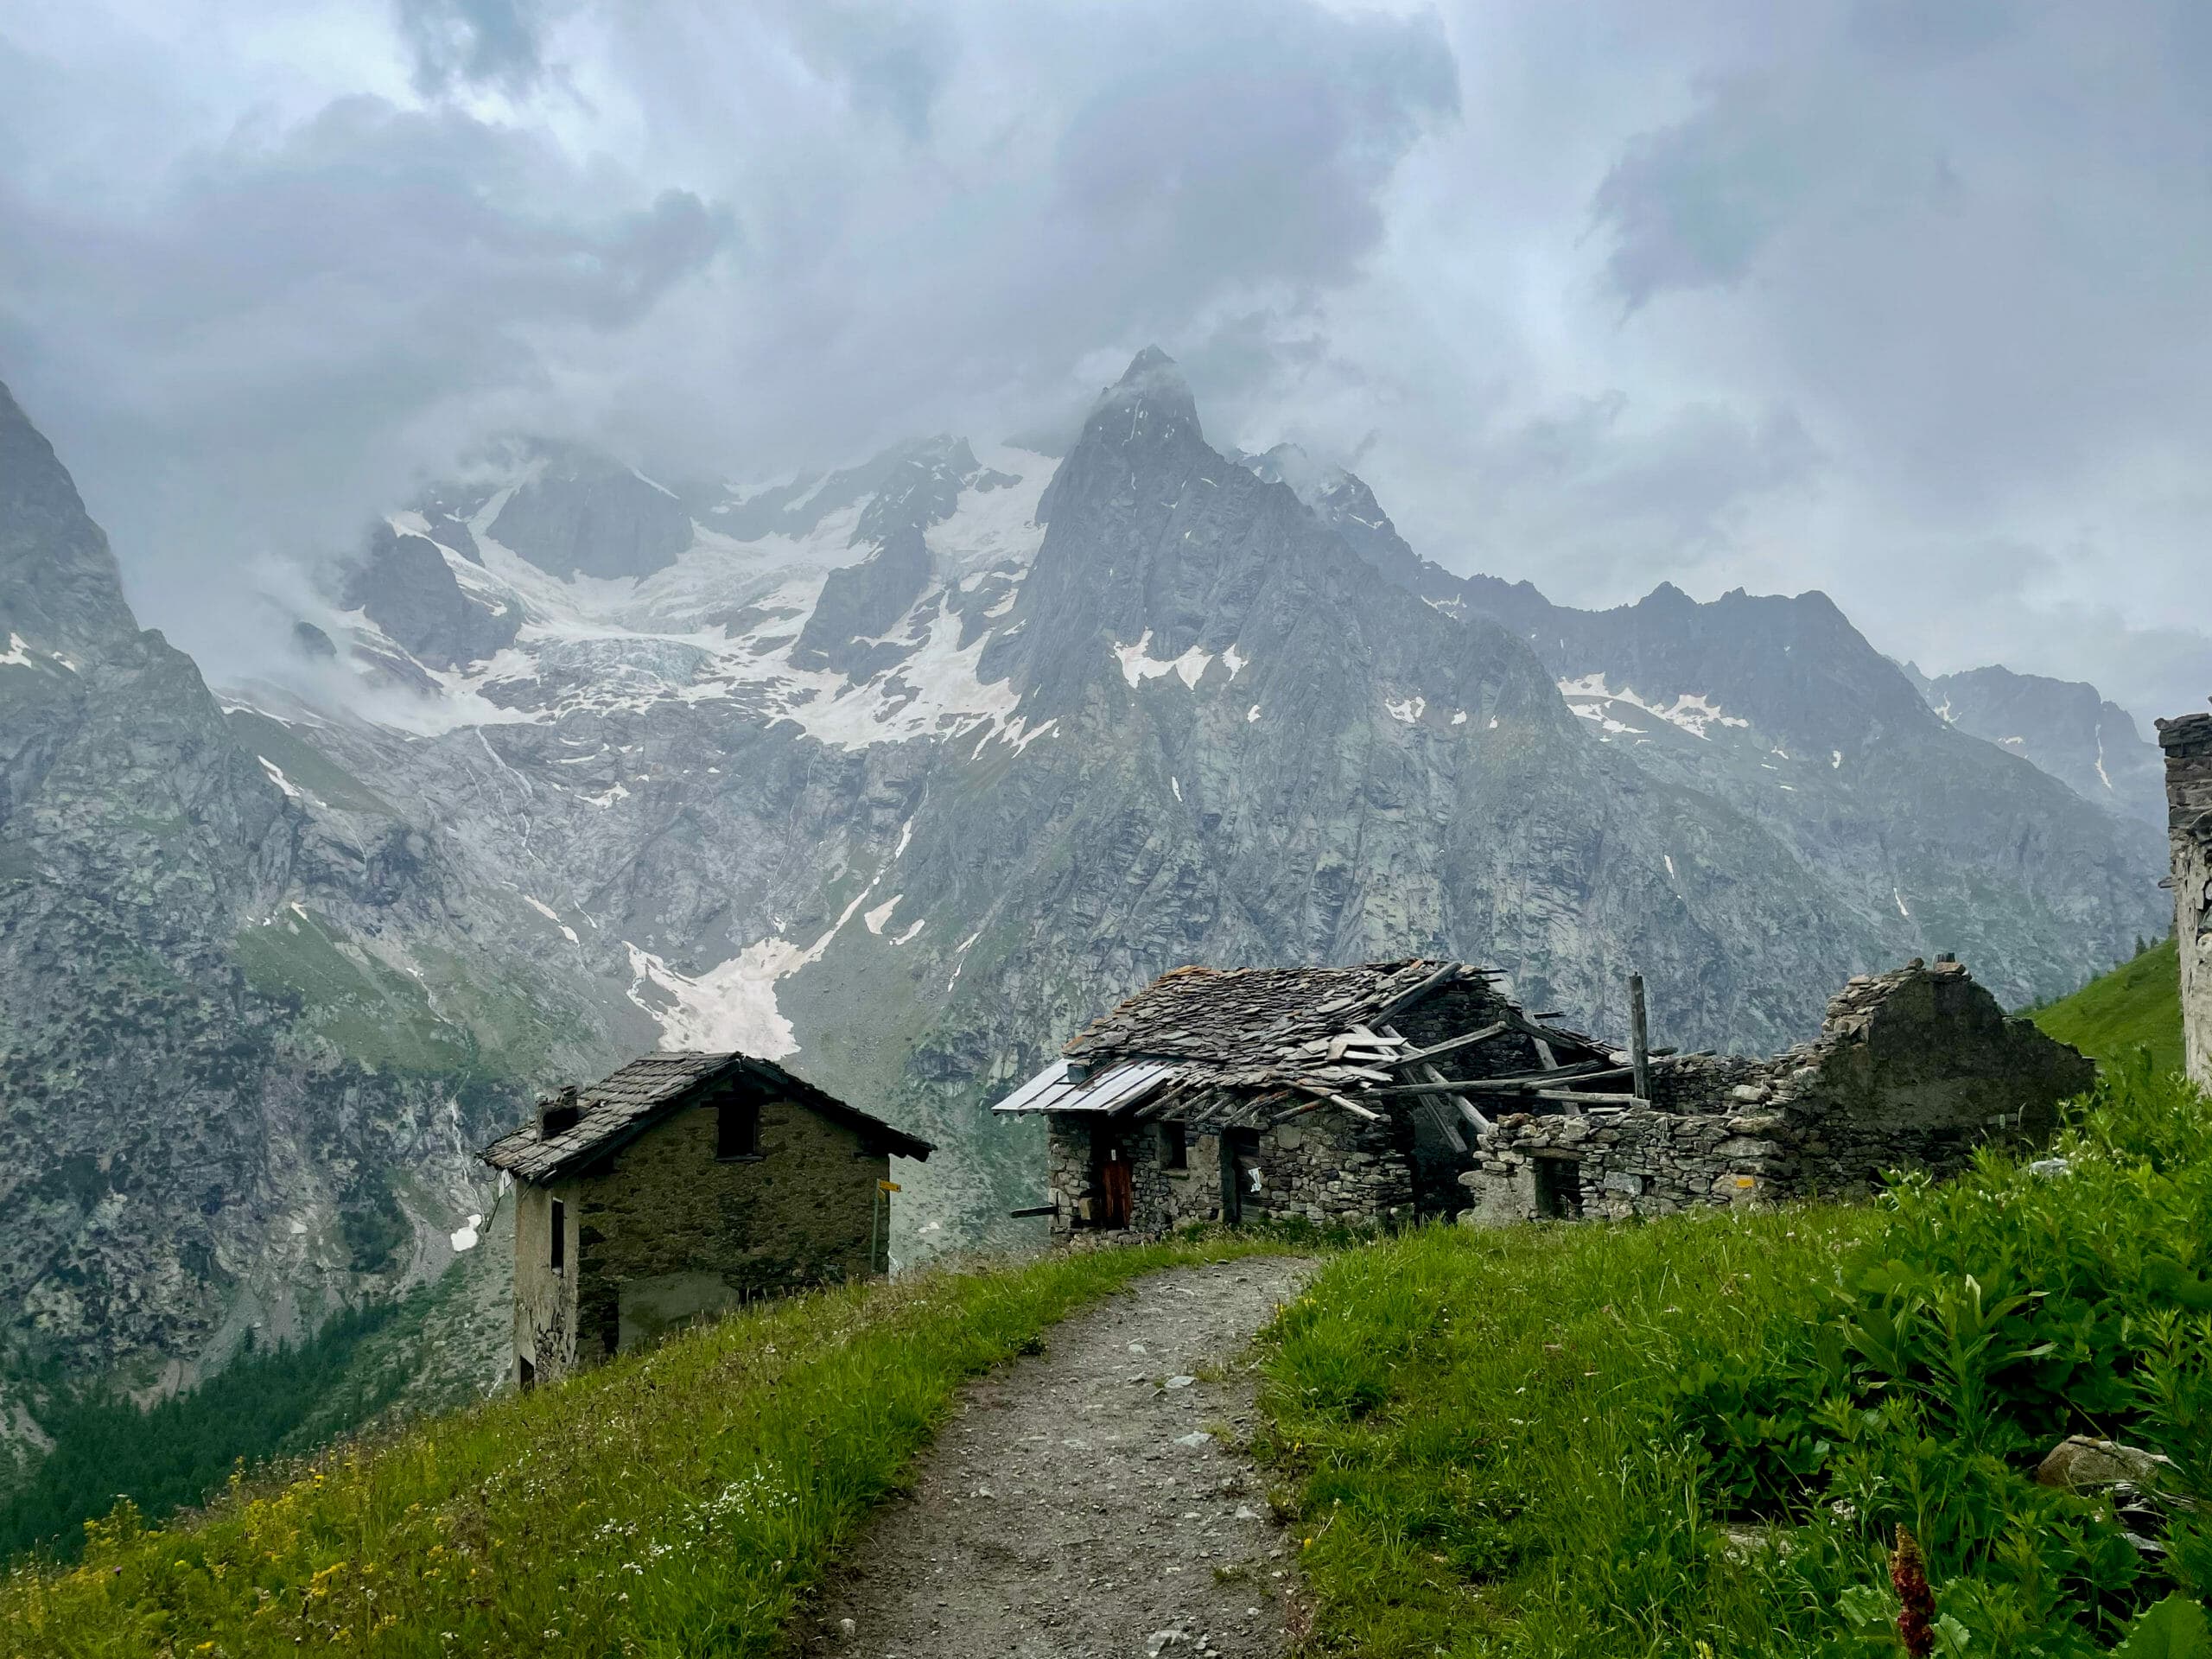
{"points": [[1239, 1014], [623, 1105], [1247, 1047]]}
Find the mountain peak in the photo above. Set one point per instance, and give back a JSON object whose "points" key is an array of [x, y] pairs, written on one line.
{"points": [[1150, 404], [1149, 364]]}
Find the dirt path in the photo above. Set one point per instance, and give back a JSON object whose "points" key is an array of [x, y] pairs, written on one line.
{"points": [[1083, 1504]]}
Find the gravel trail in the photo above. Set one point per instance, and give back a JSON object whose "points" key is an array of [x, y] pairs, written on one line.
{"points": [[1091, 1503]]}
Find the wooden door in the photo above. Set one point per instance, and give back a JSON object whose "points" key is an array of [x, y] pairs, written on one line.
{"points": [[1114, 1191]]}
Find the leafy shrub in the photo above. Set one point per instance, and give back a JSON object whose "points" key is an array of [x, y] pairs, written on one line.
{"points": [[1981, 1322]]}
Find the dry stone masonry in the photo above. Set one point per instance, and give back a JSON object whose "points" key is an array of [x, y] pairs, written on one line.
{"points": [[679, 1186], [1911, 1070], [2187, 744], [1376, 1095]]}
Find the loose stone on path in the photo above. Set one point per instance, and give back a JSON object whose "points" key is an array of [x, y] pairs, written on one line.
{"points": [[1126, 1519]]}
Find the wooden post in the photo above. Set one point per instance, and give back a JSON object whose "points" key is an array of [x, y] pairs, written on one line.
{"points": [[1639, 1040]]}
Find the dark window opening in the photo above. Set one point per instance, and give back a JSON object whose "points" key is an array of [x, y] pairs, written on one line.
{"points": [[1240, 1173], [525, 1374], [1174, 1146], [559, 1242], [610, 1329], [737, 1130], [1559, 1189]]}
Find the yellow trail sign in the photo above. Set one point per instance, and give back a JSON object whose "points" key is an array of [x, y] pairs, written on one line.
{"points": [[891, 1186]]}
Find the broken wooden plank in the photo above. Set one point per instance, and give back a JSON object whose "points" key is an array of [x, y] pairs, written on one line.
{"points": [[1445, 1126], [1451, 1045], [1405, 999], [1639, 1038], [1526, 1083], [1358, 1110]]}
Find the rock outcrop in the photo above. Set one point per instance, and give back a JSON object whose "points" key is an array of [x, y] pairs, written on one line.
{"points": [[405, 587], [583, 515]]}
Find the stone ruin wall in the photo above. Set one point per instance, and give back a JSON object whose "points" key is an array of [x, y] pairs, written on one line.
{"points": [[1912, 1069], [2188, 745], [1326, 1166]]}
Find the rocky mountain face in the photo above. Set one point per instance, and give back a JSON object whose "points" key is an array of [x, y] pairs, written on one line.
{"points": [[1780, 707], [223, 1099], [2064, 727], [906, 769], [903, 772]]}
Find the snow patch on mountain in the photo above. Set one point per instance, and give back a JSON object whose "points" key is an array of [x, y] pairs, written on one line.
{"points": [[731, 1005], [1695, 714], [1138, 664]]}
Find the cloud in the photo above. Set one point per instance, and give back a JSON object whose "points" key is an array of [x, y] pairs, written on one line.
{"points": [[726, 240], [1888, 299], [481, 42]]}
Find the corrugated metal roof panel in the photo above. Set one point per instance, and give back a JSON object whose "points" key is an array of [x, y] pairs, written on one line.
{"points": [[1051, 1089], [1053, 1080]]}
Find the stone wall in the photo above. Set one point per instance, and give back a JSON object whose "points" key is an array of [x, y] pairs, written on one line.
{"points": [[1326, 1166], [2187, 744], [1912, 1070], [666, 1232], [545, 1302]]}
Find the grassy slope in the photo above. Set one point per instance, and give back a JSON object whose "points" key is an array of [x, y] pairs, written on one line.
{"points": [[1695, 1435], [1459, 1415], [2137, 1005], [674, 1502]]}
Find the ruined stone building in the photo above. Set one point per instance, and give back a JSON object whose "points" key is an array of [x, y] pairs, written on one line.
{"points": [[1912, 1069], [1383, 1093], [2187, 744], [680, 1185]]}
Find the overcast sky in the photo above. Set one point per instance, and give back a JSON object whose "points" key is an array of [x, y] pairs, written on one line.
{"points": [[1904, 301]]}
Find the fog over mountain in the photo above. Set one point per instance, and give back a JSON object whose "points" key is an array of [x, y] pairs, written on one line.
{"points": [[1894, 302]]}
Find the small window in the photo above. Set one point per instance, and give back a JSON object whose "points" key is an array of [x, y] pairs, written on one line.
{"points": [[737, 1130], [559, 1242], [1174, 1146]]}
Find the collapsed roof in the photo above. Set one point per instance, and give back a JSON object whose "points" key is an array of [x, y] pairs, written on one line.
{"points": [[1251, 1047], [618, 1107]]}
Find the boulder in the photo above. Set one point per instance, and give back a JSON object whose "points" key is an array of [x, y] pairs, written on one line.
{"points": [[2078, 1463]]}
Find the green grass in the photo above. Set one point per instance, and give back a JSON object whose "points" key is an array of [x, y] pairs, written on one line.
{"points": [[674, 1501], [1697, 1435], [2137, 1005]]}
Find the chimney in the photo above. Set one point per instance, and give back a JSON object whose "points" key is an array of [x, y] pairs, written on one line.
{"points": [[558, 1113]]}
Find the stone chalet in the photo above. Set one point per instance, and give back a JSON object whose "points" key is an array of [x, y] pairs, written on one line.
{"points": [[2188, 745], [680, 1185], [1391, 1091]]}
